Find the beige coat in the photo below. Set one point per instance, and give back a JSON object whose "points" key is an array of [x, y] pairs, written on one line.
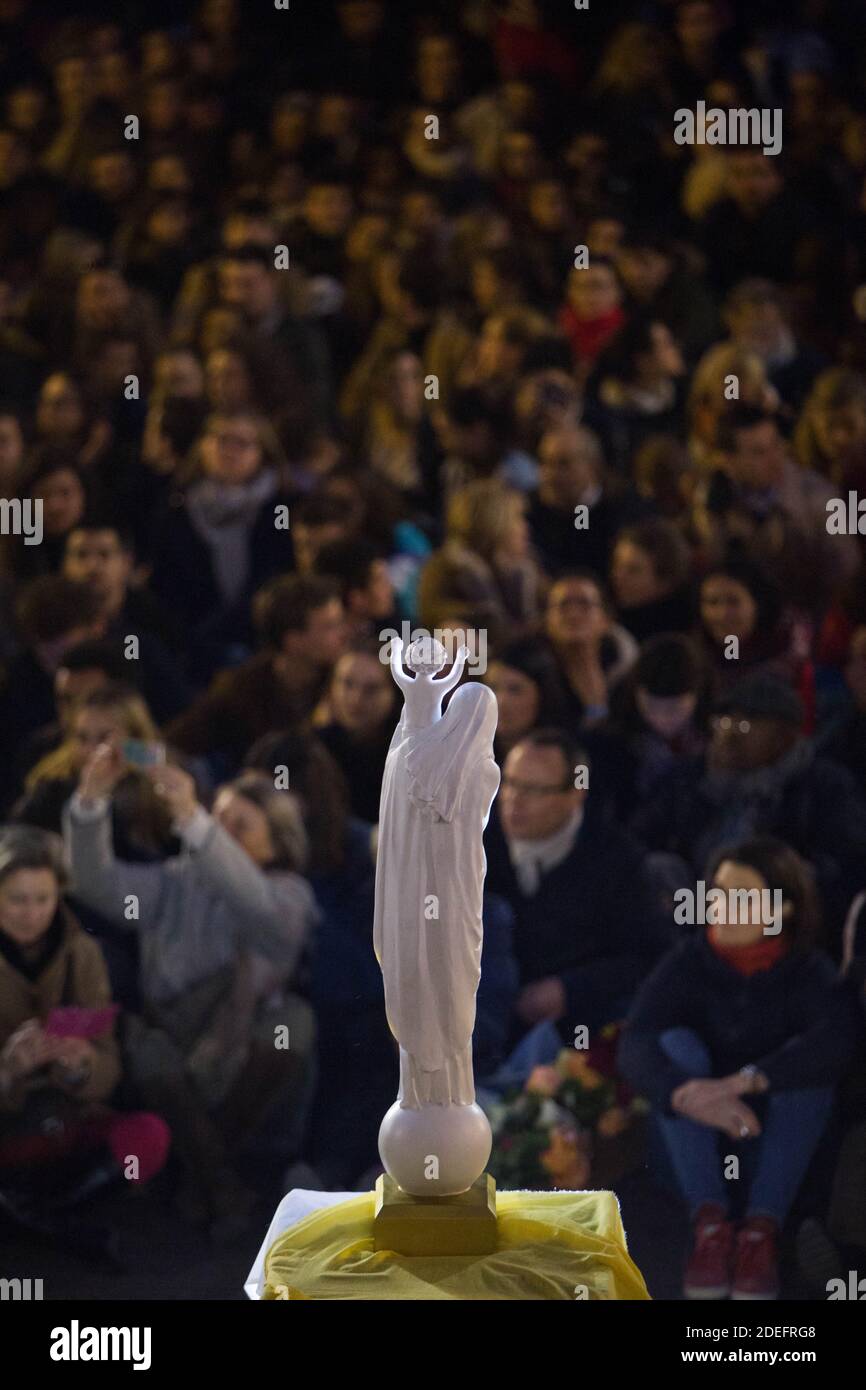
{"points": [[76, 975]]}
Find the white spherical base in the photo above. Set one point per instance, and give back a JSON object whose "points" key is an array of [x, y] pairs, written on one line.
{"points": [[437, 1151]]}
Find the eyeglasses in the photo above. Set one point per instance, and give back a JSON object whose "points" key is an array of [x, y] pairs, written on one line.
{"points": [[527, 788], [729, 725]]}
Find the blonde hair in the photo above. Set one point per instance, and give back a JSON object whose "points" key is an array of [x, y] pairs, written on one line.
{"points": [[519, 324], [480, 514], [725, 359], [838, 388], [132, 713], [708, 389], [622, 64], [283, 814]]}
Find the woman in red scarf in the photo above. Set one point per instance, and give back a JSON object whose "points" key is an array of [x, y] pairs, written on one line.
{"points": [[741, 1033], [592, 313]]}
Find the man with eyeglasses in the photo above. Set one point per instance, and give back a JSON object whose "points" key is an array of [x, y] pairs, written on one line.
{"points": [[585, 931], [760, 776]]}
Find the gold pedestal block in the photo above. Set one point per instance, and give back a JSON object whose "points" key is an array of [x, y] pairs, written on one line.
{"points": [[460, 1225]]}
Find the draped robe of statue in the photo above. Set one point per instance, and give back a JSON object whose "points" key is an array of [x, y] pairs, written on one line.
{"points": [[437, 791]]}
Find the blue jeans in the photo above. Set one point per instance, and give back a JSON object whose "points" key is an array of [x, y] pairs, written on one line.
{"points": [[540, 1046], [772, 1166]]}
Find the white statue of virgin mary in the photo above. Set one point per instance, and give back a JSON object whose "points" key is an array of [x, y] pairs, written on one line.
{"points": [[439, 784]]}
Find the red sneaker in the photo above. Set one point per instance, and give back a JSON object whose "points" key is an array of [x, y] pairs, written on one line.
{"points": [[756, 1264], [708, 1272]]}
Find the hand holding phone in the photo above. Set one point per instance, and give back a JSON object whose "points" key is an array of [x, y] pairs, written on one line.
{"points": [[27, 1049], [138, 753], [73, 1021], [101, 773], [177, 790]]}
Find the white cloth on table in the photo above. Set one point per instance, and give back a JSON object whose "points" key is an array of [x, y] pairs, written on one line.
{"points": [[293, 1208]]}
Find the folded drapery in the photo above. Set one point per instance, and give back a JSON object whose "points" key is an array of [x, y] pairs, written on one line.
{"points": [[552, 1245]]}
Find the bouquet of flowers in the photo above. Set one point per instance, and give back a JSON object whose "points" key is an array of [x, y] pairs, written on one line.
{"points": [[570, 1119]]}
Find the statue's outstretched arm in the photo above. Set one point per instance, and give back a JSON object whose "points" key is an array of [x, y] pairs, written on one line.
{"points": [[453, 677], [405, 682]]}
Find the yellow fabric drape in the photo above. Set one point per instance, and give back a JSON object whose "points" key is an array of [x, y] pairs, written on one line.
{"points": [[552, 1245]]}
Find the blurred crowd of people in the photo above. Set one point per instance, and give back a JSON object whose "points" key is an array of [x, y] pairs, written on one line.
{"points": [[319, 321]]}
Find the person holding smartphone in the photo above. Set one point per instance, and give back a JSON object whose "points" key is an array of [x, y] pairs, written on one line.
{"points": [[223, 929], [59, 1058], [119, 715]]}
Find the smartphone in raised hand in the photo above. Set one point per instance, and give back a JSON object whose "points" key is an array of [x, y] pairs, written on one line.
{"points": [[139, 753]]}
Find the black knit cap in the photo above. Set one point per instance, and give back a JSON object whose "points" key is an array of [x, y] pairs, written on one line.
{"points": [[763, 697]]}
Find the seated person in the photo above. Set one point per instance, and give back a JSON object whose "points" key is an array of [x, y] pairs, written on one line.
{"points": [[301, 629], [737, 600], [360, 567], [524, 678], [637, 388], [360, 710], [49, 1072], [659, 716], [115, 714], [759, 321], [759, 775], [222, 927], [764, 506], [589, 649], [572, 474], [99, 553], [742, 1031], [485, 561], [586, 930], [218, 540], [649, 577], [52, 615], [90, 666], [141, 825]]}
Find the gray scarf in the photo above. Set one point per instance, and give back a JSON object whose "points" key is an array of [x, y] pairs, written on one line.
{"points": [[223, 515]]}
